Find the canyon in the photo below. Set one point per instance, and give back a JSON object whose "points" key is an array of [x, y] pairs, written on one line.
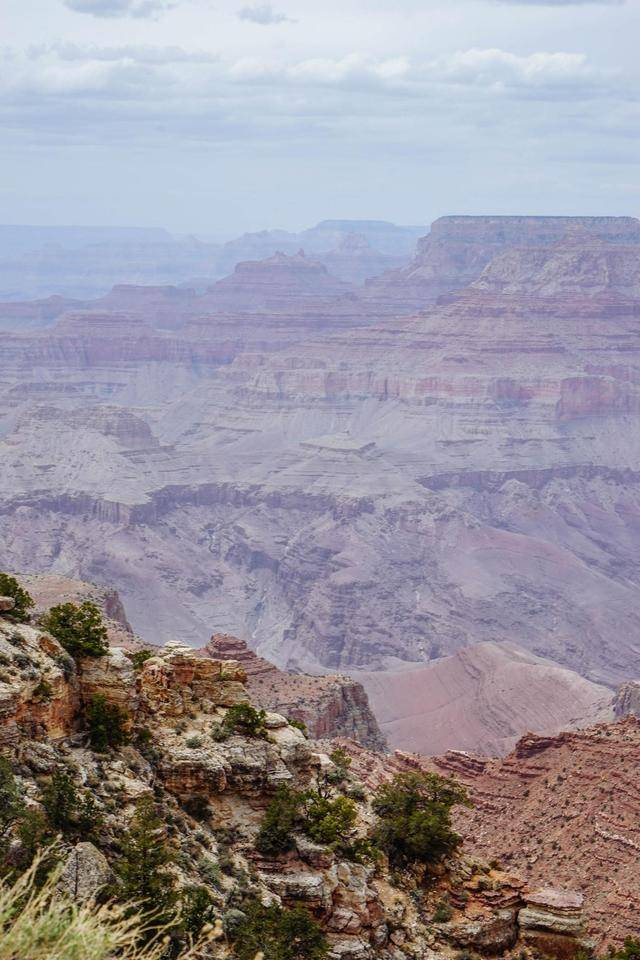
{"points": [[363, 478], [188, 755]]}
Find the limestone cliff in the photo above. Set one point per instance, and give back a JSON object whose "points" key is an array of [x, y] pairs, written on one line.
{"points": [[212, 791]]}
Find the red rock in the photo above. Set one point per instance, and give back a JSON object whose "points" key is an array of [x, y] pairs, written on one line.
{"points": [[329, 706]]}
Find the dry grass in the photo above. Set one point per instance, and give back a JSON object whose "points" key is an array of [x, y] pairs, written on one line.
{"points": [[38, 924]]}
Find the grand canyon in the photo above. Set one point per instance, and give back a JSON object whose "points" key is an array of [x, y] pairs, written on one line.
{"points": [[425, 479], [352, 519]]}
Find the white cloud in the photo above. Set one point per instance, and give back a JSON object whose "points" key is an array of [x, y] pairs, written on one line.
{"points": [[500, 67], [120, 8], [139, 53], [263, 14]]}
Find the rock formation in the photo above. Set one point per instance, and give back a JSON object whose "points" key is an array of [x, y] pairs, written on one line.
{"points": [[347, 488], [458, 249], [211, 792], [268, 285], [626, 702], [329, 706], [563, 811]]}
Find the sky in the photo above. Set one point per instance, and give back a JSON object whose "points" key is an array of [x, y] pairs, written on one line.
{"points": [[221, 116]]}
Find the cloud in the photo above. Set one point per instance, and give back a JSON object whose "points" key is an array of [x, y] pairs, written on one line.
{"points": [[66, 93], [565, 3], [75, 52], [263, 14], [120, 8]]}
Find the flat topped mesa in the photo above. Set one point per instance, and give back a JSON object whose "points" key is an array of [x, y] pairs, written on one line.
{"points": [[458, 249]]}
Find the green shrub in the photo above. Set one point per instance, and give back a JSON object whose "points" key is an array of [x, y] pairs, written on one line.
{"points": [[43, 692], [629, 951], [194, 743], [327, 821], [278, 933], [210, 872], [27, 825], [107, 724], [197, 908], [298, 724], [11, 805], [442, 912], [34, 837], [276, 831], [23, 602], [341, 758], [68, 810], [143, 865], [414, 817], [139, 658], [219, 733], [356, 791], [79, 629], [244, 719]]}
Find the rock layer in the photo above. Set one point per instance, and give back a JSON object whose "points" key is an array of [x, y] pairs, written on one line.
{"points": [[344, 486]]}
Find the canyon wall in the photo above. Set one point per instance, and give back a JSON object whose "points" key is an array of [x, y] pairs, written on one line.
{"points": [[350, 484]]}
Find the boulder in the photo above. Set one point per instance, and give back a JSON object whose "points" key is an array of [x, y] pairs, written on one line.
{"points": [[85, 872], [202, 771], [6, 604], [491, 934]]}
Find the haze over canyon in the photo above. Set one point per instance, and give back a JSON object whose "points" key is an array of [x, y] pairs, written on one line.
{"points": [[419, 467]]}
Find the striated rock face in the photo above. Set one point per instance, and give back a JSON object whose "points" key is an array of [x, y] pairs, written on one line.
{"points": [[329, 706], [458, 249], [564, 812], [169, 685], [264, 285], [113, 677], [552, 921]]}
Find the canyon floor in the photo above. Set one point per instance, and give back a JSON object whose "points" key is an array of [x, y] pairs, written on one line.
{"points": [[358, 478]]}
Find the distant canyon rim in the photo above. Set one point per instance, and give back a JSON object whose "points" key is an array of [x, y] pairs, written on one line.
{"points": [[423, 471]]}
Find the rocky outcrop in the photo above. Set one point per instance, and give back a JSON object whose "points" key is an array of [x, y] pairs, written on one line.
{"points": [[458, 249], [563, 812], [626, 702], [329, 706], [552, 921], [210, 782], [274, 284], [172, 684], [39, 691]]}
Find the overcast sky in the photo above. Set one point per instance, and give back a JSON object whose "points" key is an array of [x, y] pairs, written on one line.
{"points": [[219, 116]]}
